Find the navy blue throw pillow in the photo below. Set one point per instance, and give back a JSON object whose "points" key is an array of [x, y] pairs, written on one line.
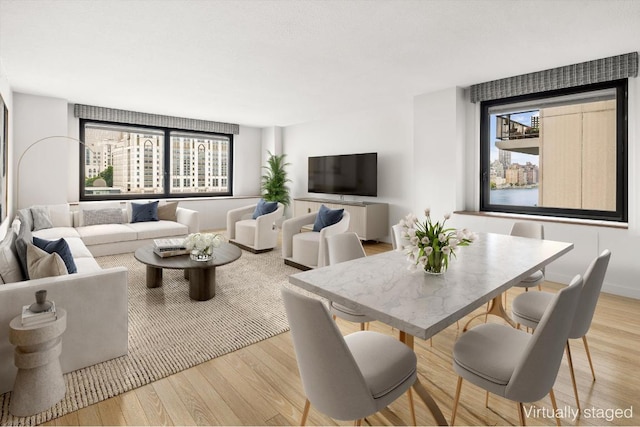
{"points": [[327, 217], [263, 207], [143, 212], [61, 247]]}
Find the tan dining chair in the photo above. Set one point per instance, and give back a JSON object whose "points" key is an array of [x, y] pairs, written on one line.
{"points": [[512, 363], [341, 248], [350, 377], [527, 309]]}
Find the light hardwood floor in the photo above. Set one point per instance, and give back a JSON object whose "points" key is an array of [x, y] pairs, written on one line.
{"points": [[259, 384]]}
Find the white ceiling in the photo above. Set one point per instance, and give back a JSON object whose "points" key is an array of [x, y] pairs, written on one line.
{"points": [[281, 62]]}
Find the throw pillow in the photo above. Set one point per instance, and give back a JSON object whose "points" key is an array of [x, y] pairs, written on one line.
{"points": [[103, 216], [327, 217], [41, 218], [24, 215], [61, 247], [263, 207], [167, 212], [60, 215], [24, 239], [42, 264], [144, 212], [10, 270]]}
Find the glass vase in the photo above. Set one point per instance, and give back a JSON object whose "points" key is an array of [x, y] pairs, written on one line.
{"points": [[436, 264], [202, 255]]}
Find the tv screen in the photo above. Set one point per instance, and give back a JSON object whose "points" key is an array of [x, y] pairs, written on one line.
{"points": [[348, 174]]}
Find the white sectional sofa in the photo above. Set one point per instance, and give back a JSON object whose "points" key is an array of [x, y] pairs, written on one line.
{"points": [[95, 299]]}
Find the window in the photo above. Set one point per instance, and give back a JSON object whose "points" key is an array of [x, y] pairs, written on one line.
{"points": [[122, 161], [560, 153]]}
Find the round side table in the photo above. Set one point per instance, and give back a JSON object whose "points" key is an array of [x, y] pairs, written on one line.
{"points": [[39, 383]]}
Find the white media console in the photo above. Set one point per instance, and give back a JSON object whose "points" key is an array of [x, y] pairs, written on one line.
{"points": [[369, 220]]}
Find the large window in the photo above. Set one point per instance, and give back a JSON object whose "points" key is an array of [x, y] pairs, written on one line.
{"points": [[121, 161], [560, 153]]}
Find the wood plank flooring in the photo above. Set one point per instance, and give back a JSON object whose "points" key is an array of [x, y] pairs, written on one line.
{"points": [[260, 385]]}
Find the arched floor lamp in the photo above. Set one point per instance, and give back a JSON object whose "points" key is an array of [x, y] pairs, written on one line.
{"points": [[33, 144]]}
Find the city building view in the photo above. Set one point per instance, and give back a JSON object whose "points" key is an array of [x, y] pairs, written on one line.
{"points": [[559, 156], [127, 160]]}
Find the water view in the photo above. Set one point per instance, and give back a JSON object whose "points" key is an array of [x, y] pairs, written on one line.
{"points": [[515, 196]]}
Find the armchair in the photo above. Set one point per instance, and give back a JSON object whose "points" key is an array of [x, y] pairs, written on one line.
{"points": [[255, 235], [307, 250]]}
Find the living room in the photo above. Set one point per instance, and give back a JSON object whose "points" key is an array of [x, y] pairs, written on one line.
{"points": [[315, 112]]}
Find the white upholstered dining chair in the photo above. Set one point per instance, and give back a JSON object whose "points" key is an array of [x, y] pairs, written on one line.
{"points": [[398, 242], [351, 377], [512, 363], [258, 234], [532, 230], [527, 309], [341, 248], [308, 249]]}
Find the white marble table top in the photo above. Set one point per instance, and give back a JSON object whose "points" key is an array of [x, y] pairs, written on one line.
{"points": [[420, 304]]}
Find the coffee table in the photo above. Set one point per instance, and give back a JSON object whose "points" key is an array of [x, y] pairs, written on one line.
{"points": [[201, 274]]}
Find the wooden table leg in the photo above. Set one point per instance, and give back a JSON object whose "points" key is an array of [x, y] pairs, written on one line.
{"points": [[202, 283], [154, 277], [497, 309], [420, 389]]}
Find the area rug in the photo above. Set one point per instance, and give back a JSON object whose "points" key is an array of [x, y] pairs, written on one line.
{"points": [[169, 332]]}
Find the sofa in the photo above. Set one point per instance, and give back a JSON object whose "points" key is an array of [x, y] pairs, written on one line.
{"points": [[95, 299]]}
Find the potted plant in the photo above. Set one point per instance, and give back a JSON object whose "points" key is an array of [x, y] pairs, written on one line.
{"points": [[274, 188]]}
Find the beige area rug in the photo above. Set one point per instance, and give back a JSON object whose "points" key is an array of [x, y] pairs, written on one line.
{"points": [[168, 332]]}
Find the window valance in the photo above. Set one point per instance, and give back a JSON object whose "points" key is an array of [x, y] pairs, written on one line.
{"points": [[91, 112], [597, 71]]}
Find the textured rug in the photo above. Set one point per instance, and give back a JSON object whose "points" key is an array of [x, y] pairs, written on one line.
{"points": [[168, 332]]}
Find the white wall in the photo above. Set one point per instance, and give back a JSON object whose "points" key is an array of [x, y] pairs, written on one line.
{"points": [[386, 130], [49, 170]]}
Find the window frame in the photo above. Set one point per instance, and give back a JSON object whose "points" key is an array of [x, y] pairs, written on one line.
{"points": [[622, 165], [166, 179]]}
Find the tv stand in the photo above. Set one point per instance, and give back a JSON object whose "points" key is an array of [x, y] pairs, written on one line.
{"points": [[369, 220]]}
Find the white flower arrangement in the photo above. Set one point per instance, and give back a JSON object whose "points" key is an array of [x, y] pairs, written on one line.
{"points": [[431, 244], [202, 244]]}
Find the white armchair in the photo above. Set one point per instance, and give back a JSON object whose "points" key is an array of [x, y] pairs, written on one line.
{"points": [[308, 249], [255, 235]]}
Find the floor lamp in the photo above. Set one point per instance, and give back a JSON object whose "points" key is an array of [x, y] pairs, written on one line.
{"points": [[33, 144]]}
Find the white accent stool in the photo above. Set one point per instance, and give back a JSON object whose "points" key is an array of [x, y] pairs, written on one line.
{"points": [[39, 383]]}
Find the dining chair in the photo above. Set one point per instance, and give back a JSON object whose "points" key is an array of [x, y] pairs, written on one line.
{"points": [[350, 377], [398, 242], [533, 230], [527, 309], [512, 363], [341, 248]]}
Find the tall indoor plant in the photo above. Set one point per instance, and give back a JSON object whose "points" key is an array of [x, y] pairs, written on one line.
{"points": [[274, 188]]}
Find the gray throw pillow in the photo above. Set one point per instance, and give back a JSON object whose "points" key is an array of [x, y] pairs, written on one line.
{"points": [[10, 269], [24, 239], [41, 218], [103, 216], [24, 215]]}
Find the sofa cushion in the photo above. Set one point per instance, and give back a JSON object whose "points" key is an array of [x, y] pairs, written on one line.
{"points": [[102, 216], [157, 229], [56, 233], [42, 264], [41, 218], [327, 217], [144, 212], [263, 207], [306, 247], [61, 247], [78, 249], [106, 233], [10, 270], [87, 265], [60, 215], [167, 211]]}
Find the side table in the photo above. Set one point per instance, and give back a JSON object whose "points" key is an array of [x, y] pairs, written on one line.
{"points": [[39, 383]]}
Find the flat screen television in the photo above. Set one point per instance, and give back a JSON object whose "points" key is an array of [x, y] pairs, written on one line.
{"points": [[347, 174]]}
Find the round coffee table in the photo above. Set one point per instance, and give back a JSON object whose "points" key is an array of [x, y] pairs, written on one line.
{"points": [[201, 274]]}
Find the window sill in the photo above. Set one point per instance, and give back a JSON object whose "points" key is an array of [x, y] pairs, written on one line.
{"points": [[572, 221]]}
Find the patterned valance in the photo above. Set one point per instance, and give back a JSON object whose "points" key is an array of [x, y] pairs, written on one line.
{"points": [[597, 71], [91, 112]]}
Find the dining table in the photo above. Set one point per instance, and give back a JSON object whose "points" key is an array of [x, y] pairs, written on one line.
{"points": [[420, 304]]}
